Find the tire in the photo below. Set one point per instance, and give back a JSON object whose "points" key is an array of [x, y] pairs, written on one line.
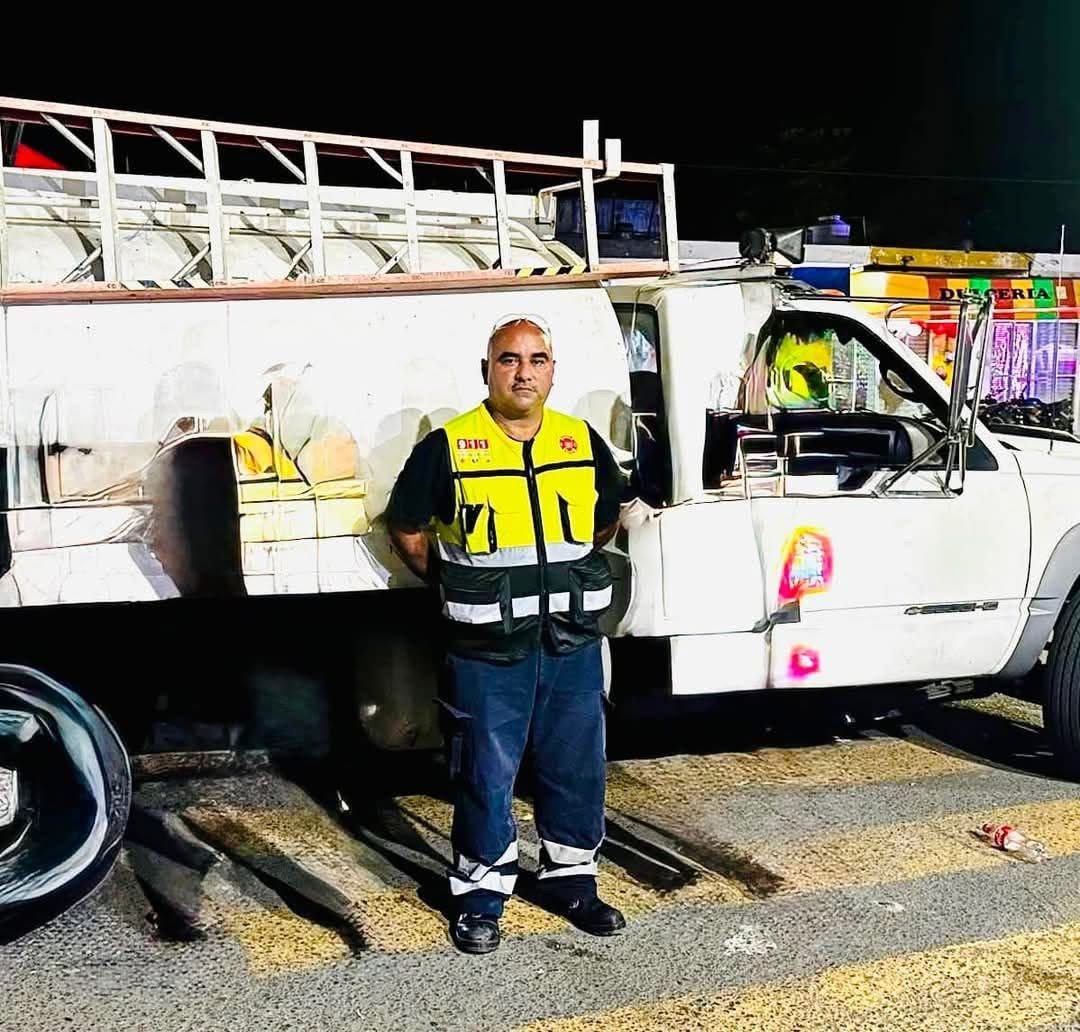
{"points": [[391, 732], [74, 797], [1061, 707]]}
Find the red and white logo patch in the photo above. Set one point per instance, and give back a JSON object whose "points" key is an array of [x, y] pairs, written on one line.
{"points": [[472, 444], [568, 444]]}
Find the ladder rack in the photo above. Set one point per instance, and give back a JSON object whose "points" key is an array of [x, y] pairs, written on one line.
{"points": [[305, 220]]}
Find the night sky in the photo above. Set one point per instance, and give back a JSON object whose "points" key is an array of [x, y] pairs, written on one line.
{"points": [[928, 124]]}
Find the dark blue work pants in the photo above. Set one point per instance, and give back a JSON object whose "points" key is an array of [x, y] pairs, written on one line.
{"points": [[554, 705]]}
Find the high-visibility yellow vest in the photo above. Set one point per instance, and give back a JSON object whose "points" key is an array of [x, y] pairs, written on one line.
{"points": [[517, 558]]}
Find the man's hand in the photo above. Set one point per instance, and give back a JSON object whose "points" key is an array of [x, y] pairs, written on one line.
{"points": [[603, 536], [412, 546]]}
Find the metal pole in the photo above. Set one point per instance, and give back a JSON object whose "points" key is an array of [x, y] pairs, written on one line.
{"points": [[14, 139], [279, 157], [384, 165], [190, 264], [502, 224], [983, 333], [80, 270], [297, 259], [958, 393], [393, 260], [67, 134], [215, 213], [409, 188], [671, 227], [3, 217], [1057, 342], [887, 485], [177, 146], [591, 149], [960, 366], [1075, 409], [314, 201], [854, 346], [106, 196]]}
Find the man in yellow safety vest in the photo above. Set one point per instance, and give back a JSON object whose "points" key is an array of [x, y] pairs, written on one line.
{"points": [[520, 498]]}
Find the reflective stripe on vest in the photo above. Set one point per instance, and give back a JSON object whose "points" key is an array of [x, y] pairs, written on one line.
{"points": [[523, 522], [491, 612]]}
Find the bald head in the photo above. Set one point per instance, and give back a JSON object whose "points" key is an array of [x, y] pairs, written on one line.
{"points": [[519, 368], [502, 329]]}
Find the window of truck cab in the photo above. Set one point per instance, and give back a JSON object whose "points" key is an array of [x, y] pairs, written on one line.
{"points": [[651, 479], [823, 391]]}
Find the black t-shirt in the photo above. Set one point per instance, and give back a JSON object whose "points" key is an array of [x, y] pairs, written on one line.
{"points": [[425, 487]]}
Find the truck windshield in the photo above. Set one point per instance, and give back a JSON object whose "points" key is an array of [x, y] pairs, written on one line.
{"points": [[808, 361]]}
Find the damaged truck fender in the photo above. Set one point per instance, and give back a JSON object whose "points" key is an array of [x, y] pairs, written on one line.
{"points": [[65, 795]]}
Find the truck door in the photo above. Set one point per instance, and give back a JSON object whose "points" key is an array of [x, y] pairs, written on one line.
{"points": [[877, 573], [695, 572]]}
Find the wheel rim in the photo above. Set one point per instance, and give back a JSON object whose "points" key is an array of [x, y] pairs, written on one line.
{"points": [[65, 795]]}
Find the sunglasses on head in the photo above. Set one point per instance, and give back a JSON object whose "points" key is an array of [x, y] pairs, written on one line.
{"points": [[521, 317]]}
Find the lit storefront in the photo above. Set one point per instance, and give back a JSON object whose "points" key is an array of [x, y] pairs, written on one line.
{"points": [[1033, 344]]}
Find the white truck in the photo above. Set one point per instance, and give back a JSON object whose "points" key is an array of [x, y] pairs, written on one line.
{"points": [[208, 386]]}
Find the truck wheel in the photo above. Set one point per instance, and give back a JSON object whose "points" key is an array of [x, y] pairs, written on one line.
{"points": [[1061, 708], [392, 726], [65, 794]]}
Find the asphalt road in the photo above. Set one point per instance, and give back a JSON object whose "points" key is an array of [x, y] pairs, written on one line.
{"points": [[814, 877]]}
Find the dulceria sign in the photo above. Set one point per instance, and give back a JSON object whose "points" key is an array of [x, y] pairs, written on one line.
{"points": [[1034, 292]]}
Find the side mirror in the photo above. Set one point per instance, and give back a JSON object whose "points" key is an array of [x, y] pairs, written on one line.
{"points": [[791, 243], [759, 245]]}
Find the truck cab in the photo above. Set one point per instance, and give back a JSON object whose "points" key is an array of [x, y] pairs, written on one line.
{"points": [[816, 508]]}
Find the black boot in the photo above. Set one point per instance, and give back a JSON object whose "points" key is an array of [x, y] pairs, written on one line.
{"points": [[475, 933], [591, 914]]}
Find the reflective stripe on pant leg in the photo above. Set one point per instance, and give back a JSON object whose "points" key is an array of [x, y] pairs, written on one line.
{"points": [[501, 876], [498, 700], [559, 861]]}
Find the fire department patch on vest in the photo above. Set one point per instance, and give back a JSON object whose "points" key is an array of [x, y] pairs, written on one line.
{"points": [[568, 444]]}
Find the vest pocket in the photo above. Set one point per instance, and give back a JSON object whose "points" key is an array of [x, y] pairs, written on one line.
{"points": [[576, 521], [590, 589], [478, 528], [479, 596], [494, 523]]}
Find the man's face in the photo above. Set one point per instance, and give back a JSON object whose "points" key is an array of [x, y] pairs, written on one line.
{"points": [[519, 370]]}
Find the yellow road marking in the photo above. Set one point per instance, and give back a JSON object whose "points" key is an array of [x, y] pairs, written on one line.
{"points": [[396, 920], [387, 918], [1006, 707], [278, 940], [917, 849], [432, 818], [669, 792], [1024, 981], [392, 918], [672, 793], [303, 833], [438, 814], [678, 784]]}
